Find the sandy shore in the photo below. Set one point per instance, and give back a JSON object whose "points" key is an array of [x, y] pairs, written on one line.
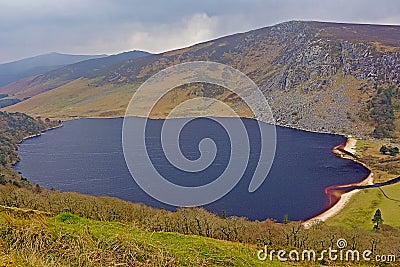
{"points": [[348, 147], [351, 145]]}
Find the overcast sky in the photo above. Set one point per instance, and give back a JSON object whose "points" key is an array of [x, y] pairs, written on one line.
{"points": [[33, 27]]}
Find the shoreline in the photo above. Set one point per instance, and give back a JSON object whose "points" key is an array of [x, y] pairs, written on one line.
{"points": [[347, 151], [71, 118], [42, 132], [33, 136]]}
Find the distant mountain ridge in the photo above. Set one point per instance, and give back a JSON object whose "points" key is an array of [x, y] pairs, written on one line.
{"points": [[319, 76], [84, 68], [16, 70], [64, 74]]}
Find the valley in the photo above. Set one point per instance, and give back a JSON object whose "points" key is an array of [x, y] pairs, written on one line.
{"points": [[328, 80]]}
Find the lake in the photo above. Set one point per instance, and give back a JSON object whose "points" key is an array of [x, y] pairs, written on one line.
{"points": [[86, 156]]}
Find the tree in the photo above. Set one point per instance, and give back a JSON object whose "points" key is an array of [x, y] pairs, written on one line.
{"points": [[286, 219], [377, 220], [383, 149], [393, 151], [223, 214]]}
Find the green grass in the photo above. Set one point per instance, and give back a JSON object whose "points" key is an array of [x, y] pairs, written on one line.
{"points": [[165, 248], [368, 151], [31, 239], [362, 206], [391, 208]]}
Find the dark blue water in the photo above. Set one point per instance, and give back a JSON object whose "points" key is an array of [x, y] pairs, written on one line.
{"points": [[86, 156]]}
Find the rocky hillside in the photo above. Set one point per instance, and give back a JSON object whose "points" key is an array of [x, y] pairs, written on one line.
{"points": [[317, 76]]}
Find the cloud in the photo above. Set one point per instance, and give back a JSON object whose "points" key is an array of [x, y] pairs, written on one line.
{"points": [[187, 31], [99, 26]]}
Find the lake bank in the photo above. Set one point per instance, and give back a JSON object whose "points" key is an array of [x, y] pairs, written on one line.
{"points": [[337, 197]]}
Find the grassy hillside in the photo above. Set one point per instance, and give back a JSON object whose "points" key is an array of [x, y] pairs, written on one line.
{"points": [[358, 211], [47, 80], [82, 98], [79, 98], [14, 71], [109, 232], [30, 238]]}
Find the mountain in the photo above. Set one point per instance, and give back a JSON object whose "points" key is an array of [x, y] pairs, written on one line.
{"points": [[319, 76], [37, 84], [86, 67], [16, 70]]}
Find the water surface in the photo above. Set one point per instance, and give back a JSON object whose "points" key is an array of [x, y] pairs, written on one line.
{"points": [[86, 156]]}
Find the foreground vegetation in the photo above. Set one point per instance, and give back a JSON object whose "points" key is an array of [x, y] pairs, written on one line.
{"points": [[36, 239], [53, 228]]}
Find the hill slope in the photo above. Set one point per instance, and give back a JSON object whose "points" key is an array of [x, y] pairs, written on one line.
{"points": [[317, 76], [69, 240], [34, 85], [14, 71]]}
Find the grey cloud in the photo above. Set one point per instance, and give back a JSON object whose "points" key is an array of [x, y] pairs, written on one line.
{"points": [[98, 26]]}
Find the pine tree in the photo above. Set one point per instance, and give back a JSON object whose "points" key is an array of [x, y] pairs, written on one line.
{"points": [[377, 220]]}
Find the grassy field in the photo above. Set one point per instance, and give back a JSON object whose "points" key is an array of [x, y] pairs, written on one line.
{"points": [[359, 211], [81, 98], [34, 238], [78, 98], [30, 238], [384, 167]]}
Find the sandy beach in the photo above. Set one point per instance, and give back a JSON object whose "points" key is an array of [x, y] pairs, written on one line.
{"points": [[348, 151], [351, 145]]}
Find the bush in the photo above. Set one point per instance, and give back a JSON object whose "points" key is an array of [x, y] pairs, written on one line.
{"points": [[393, 151]]}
